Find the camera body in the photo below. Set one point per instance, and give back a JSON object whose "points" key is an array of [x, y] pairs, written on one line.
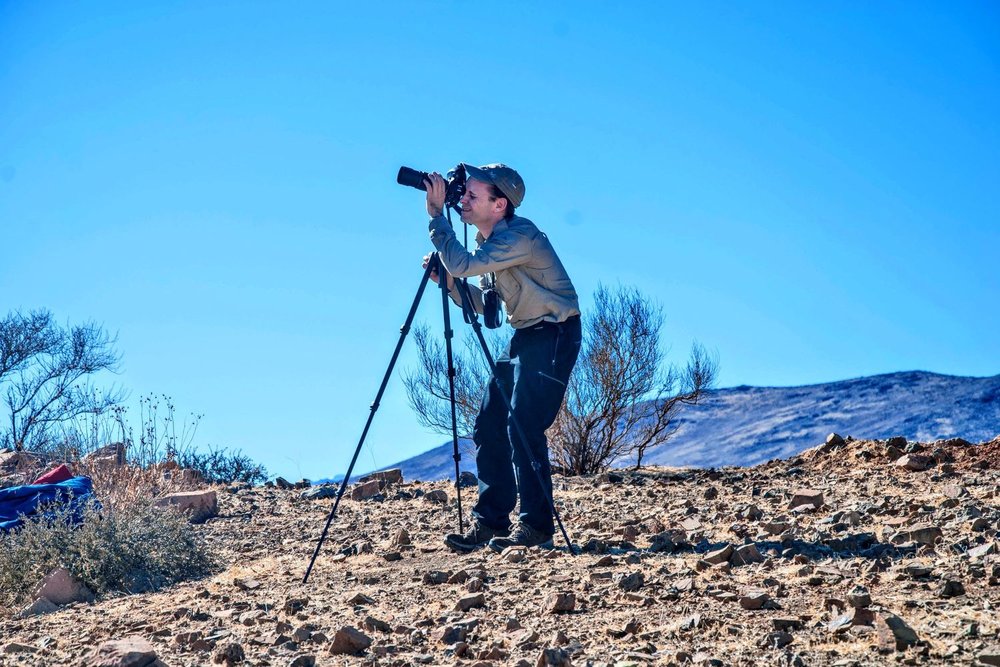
{"points": [[455, 179]]}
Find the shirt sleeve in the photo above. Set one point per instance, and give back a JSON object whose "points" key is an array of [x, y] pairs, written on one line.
{"points": [[501, 250]]}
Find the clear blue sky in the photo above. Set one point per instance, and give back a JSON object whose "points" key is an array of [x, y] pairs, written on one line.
{"points": [[808, 189]]}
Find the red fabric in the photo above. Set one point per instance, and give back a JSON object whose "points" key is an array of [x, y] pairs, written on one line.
{"points": [[58, 474]]}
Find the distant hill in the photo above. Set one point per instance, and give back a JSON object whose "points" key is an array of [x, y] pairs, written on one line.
{"points": [[748, 425]]}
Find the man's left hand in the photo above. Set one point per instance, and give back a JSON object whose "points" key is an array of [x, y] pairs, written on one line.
{"points": [[436, 187]]}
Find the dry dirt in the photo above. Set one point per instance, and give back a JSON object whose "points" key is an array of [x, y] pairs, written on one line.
{"points": [[656, 584]]}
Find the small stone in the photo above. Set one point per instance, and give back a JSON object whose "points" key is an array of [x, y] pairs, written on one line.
{"points": [[401, 538], [554, 657], [349, 640], [61, 587], [319, 493], [436, 496], [776, 639], [893, 632], [366, 490], [914, 462], [859, 597], [303, 661], [924, 534], [14, 647], [719, 555], [754, 600], [39, 607], [560, 602], [631, 582], [470, 602], [436, 577], [950, 589], [747, 554], [990, 657], [200, 505], [127, 652], [230, 655], [984, 550], [711, 493], [806, 497]]}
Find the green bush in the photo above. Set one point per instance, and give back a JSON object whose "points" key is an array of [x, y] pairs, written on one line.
{"points": [[221, 466], [134, 548]]}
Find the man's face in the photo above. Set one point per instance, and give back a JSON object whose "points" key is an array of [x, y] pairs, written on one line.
{"points": [[479, 205]]}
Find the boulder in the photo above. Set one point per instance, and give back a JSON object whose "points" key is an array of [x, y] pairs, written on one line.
{"points": [[38, 607], [806, 497], [366, 490], [60, 587], [386, 477], [201, 505], [127, 652], [109, 455], [914, 462]]}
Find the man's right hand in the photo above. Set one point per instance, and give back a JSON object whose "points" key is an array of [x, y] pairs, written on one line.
{"points": [[434, 273]]}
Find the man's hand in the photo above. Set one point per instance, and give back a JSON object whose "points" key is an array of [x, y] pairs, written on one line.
{"points": [[434, 273], [436, 187]]}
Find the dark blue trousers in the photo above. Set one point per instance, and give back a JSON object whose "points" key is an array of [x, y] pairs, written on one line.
{"points": [[533, 372]]}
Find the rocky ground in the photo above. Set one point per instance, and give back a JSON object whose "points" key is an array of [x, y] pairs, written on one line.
{"points": [[852, 553]]}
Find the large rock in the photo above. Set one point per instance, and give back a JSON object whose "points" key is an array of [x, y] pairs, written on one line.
{"points": [[128, 652], [200, 505], [366, 490], [393, 476], [349, 641], [38, 608], [60, 587], [112, 455], [806, 497]]}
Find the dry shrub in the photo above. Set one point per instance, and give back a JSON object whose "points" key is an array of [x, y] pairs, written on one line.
{"points": [[122, 547]]}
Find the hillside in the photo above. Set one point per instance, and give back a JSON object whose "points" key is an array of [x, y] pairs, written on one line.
{"points": [[857, 552], [749, 425]]}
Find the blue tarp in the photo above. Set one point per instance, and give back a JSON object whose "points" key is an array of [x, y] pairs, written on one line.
{"points": [[27, 499]]}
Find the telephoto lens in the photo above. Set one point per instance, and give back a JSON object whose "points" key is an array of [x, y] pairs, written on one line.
{"points": [[412, 178]]}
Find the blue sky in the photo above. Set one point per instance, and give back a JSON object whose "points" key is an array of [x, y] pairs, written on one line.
{"points": [[808, 189]]}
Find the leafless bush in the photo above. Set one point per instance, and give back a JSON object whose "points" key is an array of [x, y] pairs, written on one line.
{"points": [[44, 371], [622, 396]]}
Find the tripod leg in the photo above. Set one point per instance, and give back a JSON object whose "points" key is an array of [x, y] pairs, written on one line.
{"points": [[403, 331], [448, 335]]}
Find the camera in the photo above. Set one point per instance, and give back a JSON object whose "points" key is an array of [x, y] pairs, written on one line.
{"points": [[455, 179]]}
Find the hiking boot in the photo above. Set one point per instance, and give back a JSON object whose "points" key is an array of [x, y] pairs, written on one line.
{"points": [[477, 536], [523, 535]]}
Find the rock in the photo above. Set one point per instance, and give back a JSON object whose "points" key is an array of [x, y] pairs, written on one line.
{"points": [[990, 657], [401, 538], [112, 455], [787, 623], [303, 661], [60, 587], [366, 490], [470, 602], [631, 582], [777, 639], [349, 641], [806, 497], [834, 440], [39, 607], [436, 577], [319, 493], [984, 550], [560, 602], [554, 657], [127, 652], [855, 617], [230, 655], [452, 634], [914, 462], [711, 493], [201, 505], [924, 534], [893, 633], [754, 600], [467, 479], [950, 589], [283, 483], [747, 554], [14, 647], [386, 477], [436, 496], [859, 597], [719, 555]]}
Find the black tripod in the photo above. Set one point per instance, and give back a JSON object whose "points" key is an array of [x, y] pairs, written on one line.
{"points": [[435, 265]]}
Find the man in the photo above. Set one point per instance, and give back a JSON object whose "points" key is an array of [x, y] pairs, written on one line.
{"points": [[542, 306]]}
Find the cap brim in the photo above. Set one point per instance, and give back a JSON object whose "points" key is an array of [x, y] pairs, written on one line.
{"points": [[477, 173]]}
